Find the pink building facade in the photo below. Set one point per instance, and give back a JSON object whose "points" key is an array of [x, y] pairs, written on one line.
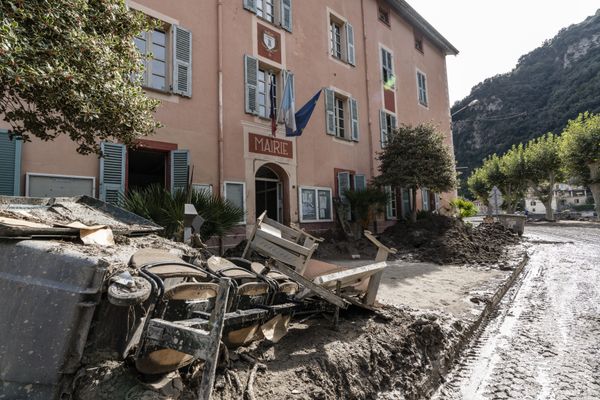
{"points": [[379, 64]]}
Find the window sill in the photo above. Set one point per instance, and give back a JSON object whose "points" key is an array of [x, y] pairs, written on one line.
{"points": [[425, 106]]}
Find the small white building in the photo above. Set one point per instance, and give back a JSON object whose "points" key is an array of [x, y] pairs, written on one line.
{"points": [[565, 196]]}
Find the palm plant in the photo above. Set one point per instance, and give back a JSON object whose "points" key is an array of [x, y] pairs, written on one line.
{"points": [[366, 204], [166, 209]]}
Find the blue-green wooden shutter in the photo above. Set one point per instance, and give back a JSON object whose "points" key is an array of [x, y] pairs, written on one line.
{"points": [[351, 52], [10, 165], [180, 160], [112, 172], [360, 183], [383, 128], [182, 61], [251, 84], [354, 120], [250, 5], [329, 111], [286, 15]]}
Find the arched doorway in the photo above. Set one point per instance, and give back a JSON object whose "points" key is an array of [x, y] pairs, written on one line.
{"points": [[269, 193]]}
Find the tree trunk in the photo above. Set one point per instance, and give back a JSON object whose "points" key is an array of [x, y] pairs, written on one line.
{"points": [[549, 210], [413, 212], [595, 187]]}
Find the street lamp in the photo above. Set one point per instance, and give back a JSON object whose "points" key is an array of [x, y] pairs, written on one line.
{"points": [[471, 104]]}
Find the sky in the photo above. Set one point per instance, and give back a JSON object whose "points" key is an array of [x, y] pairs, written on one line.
{"points": [[492, 35]]}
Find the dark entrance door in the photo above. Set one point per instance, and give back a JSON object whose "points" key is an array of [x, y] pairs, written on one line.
{"points": [[146, 167], [268, 193]]}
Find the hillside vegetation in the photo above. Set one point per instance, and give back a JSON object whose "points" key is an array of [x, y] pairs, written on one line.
{"points": [[549, 86]]}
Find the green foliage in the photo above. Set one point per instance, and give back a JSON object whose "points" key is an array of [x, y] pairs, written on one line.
{"points": [[479, 185], [66, 68], [581, 147], [166, 209], [548, 87], [416, 157], [366, 204], [464, 208]]}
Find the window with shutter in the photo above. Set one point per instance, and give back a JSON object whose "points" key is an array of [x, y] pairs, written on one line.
{"points": [[10, 165], [330, 111], [343, 186], [112, 172], [383, 127], [250, 5], [360, 182], [354, 119], [422, 88], [387, 69], [182, 61], [351, 55], [391, 209], [251, 84], [179, 170], [286, 15]]}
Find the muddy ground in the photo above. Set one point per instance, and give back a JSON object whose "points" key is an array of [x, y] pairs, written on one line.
{"points": [[395, 349], [438, 239]]}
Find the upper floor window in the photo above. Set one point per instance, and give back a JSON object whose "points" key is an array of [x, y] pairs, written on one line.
{"points": [[342, 116], [267, 85], [418, 40], [264, 9], [153, 45], [262, 88], [277, 12], [387, 69], [341, 40], [387, 125], [167, 59], [422, 88], [384, 15]]}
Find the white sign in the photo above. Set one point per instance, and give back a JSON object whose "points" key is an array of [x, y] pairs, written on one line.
{"points": [[495, 199], [269, 41]]}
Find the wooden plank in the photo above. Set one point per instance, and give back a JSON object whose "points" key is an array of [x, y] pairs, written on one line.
{"points": [[170, 335], [379, 245], [286, 244], [318, 290], [350, 276], [272, 250], [216, 320]]}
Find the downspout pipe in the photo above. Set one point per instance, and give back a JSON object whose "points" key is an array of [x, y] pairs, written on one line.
{"points": [[367, 82], [220, 141]]}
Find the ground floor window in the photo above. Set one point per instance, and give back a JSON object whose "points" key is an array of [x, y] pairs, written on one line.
{"points": [[425, 198], [406, 203], [391, 209], [235, 192], [315, 204]]}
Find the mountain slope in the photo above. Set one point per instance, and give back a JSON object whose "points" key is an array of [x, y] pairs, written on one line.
{"points": [[549, 86]]}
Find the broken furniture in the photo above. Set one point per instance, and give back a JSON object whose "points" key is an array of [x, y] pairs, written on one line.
{"points": [[514, 222]]}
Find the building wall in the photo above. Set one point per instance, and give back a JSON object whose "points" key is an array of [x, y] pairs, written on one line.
{"points": [[193, 123]]}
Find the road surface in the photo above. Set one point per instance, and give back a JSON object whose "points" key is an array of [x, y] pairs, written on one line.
{"points": [[544, 340]]}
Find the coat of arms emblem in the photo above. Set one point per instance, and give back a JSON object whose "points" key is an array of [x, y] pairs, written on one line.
{"points": [[269, 41]]}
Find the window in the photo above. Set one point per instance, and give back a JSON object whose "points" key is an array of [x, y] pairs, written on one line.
{"points": [[533, 203], [341, 40], [153, 45], [391, 208], [418, 42], [267, 81], [425, 199], [264, 9], [406, 202], [576, 201], [315, 204], [236, 193], [384, 15], [202, 187], [387, 69], [10, 165], [342, 116], [387, 124], [422, 88], [167, 59], [277, 12]]}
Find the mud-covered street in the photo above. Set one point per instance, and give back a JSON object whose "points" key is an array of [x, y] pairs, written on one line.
{"points": [[544, 340]]}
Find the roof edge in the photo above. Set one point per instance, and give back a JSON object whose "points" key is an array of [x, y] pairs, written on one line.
{"points": [[410, 14]]}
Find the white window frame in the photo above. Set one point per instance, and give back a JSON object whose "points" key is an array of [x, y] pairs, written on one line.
{"points": [[387, 69], [425, 199], [421, 90], [82, 177], [225, 183], [267, 104], [316, 189], [391, 206], [347, 53], [203, 187], [261, 5], [336, 100], [333, 43], [147, 74]]}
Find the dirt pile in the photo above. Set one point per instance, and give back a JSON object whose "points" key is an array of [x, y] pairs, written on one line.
{"points": [[445, 240]]}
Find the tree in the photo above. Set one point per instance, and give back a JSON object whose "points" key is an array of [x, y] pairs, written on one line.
{"points": [[580, 151], [544, 169], [514, 177], [365, 205], [478, 185], [66, 67], [416, 157]]}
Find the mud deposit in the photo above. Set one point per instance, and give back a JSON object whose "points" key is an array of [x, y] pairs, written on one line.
{"points": [[437, 239], [369, 354]]}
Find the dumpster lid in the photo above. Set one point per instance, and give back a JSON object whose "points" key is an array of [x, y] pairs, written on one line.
{"points": [[57, 212]]}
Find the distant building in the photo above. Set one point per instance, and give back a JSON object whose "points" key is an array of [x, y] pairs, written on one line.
{"points": [[565, 196]]}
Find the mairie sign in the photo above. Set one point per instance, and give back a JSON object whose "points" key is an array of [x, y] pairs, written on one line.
{"points": [[262, 144]]}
